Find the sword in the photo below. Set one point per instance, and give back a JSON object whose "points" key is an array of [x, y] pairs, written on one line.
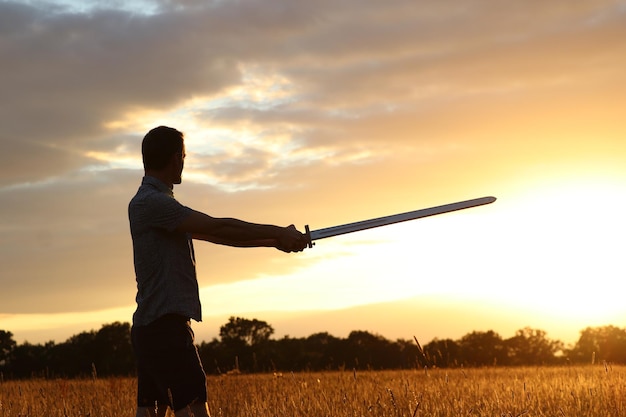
{"points": [[394, 218]]}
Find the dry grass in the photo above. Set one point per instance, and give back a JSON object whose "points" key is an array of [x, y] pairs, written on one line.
{"points": [[566, 391], [98, 397]]}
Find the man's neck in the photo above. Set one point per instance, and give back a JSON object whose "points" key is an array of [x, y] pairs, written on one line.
{"points": [[161, 176]]}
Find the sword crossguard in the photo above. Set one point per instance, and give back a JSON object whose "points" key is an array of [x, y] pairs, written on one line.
{"points": [[308, 236]]}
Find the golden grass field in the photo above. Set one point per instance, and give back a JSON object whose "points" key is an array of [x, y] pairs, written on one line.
{"points": [[575, 391]]}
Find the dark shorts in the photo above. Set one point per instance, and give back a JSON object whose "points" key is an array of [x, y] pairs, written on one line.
{"points": [[169, 371]]}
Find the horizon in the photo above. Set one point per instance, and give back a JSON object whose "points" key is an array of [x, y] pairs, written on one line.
{"points": [[290, 324]]}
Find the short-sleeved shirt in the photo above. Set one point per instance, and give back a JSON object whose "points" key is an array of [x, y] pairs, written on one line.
{"points": [[164, 258]]}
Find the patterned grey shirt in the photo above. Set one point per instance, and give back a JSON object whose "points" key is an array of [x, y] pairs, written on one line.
{"points": [[164, 259]]}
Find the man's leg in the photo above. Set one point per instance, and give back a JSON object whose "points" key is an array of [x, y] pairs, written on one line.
{"points": [[148, 393], [194, 410], [151, 412], [169, 368]]}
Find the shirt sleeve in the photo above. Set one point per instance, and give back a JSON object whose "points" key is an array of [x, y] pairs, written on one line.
{"points": [[165, 212]]}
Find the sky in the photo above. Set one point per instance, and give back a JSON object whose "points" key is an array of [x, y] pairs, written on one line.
{"points": [[322, 113]]}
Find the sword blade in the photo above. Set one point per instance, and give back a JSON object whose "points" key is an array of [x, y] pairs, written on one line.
{"points": [[394, 218]]}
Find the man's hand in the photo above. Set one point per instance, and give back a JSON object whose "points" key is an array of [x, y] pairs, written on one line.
{"points": [[291, 240]]}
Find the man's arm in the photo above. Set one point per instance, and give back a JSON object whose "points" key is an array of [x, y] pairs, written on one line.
{"points": [[239, 233]]}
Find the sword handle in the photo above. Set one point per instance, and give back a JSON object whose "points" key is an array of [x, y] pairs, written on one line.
{"points": [[308, 236]]}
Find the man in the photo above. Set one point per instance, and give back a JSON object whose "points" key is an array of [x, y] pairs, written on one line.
{"points": [[169, 370]]}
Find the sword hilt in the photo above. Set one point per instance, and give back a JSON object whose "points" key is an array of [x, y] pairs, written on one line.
{"points": [[308, 236]]}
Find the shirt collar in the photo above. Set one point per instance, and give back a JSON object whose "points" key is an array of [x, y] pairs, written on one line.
{"points": [[158, 184]]}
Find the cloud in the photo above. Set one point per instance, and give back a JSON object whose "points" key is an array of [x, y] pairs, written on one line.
{"points": [[67, 75], [75, 72], [61, 238]]}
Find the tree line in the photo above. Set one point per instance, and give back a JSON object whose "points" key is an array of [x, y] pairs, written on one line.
{"points": [[246, 345]]}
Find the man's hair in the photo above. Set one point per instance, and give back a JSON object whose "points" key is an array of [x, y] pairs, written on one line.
{"points": [[159, 145]]}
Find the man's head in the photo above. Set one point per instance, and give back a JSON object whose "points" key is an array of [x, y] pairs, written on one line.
{"points": [[163, 151]]}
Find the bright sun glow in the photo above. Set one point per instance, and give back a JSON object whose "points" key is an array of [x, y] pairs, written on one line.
{"points": [[574, 234], [564, 281]]}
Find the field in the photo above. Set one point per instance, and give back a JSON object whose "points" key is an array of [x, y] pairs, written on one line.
{"points": [[589, 391]]}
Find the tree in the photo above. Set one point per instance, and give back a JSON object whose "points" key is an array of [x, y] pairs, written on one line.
{"points": [[240, 331], [532, 347], [7, 344], [321, 350], [29, 360], [483, 348], [246, 343], [442, 353], [607, 343], [112, 350], [369, 350], [410, 354], [213, 358], [75, 356]]}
